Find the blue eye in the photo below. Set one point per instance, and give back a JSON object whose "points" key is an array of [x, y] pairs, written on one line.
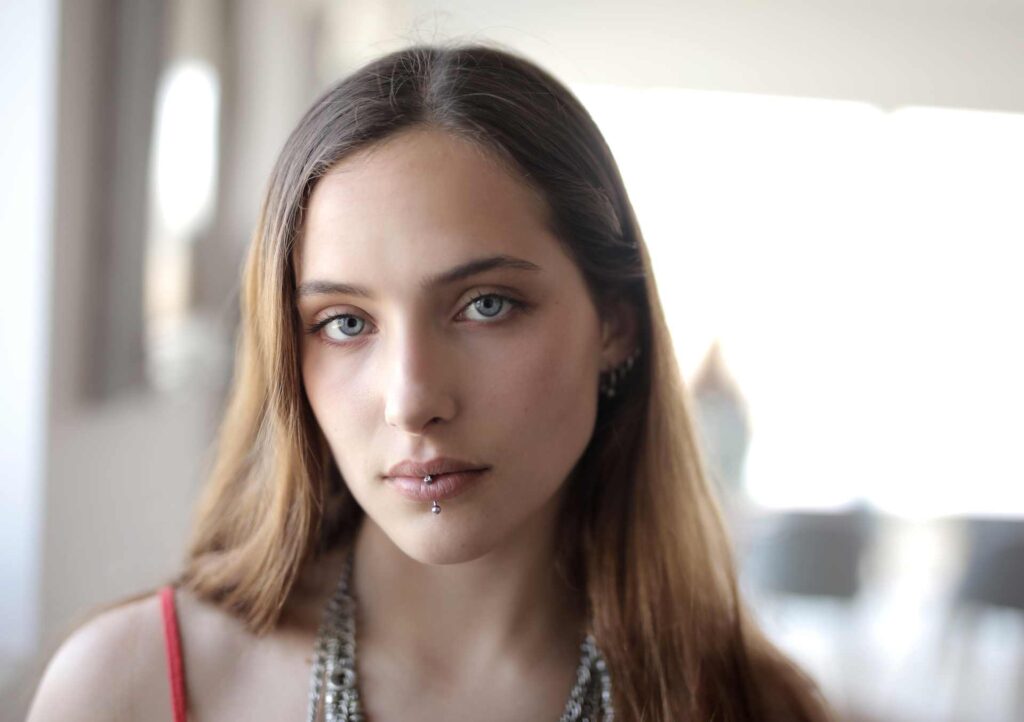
{"points": [[489, 304], [349, 326]]}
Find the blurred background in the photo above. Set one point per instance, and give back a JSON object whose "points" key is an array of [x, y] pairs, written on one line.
{"points": [[833, 196]]}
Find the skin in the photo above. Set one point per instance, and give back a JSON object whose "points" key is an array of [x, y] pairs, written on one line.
{"points": [[462, 616]]}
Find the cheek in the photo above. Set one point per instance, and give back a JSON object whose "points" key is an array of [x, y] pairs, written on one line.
{"points": [[547, 397], [338, 401], [316, 381], [332, 393]]}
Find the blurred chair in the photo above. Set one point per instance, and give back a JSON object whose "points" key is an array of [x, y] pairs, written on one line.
{"points": [[813, 554], [992, 583], [802, 571], [994, 574]]}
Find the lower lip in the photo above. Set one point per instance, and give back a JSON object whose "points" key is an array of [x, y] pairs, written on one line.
{"points": [[444, 486]]}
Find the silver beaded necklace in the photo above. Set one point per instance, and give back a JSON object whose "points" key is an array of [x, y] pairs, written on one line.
{"points": [[335, 678]]}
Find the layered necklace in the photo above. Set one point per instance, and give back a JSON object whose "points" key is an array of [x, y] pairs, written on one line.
{"points": [[335, 679]]}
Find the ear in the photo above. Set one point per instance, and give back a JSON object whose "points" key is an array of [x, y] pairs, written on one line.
{"points": [[619, 334]]}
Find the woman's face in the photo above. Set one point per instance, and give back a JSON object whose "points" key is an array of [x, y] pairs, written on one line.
{"points": [[497, 368]]}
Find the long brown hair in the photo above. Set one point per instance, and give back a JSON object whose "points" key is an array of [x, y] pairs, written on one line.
{"points": [[644, 538]]}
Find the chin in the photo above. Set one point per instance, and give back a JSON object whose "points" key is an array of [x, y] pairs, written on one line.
{"points": [[444, 540]]}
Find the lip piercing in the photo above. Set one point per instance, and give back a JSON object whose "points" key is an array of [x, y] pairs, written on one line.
{"points": [[428, 480]]}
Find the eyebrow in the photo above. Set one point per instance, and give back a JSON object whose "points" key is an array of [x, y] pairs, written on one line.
{"points": [[458, 273]]}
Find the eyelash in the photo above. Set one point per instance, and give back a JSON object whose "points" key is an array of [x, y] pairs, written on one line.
{"points": [[314, 328]]}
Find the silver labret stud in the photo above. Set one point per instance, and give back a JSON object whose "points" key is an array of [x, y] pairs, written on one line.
{"points": [[428, 480]]}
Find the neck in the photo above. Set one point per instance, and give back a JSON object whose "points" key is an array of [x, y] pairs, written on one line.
{"points": [[510, 605]]}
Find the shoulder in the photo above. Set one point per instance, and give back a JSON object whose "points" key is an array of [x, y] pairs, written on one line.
{"points": [[110, 668], [211, 638]]}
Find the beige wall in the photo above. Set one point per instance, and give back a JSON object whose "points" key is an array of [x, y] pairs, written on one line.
{"points": [[962, 53]]}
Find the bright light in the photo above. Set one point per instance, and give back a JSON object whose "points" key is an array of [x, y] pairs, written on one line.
{"points": [[861, 271], [186, 147]]}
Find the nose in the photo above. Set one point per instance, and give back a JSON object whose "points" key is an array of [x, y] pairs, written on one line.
{"points": [[417, 390]]}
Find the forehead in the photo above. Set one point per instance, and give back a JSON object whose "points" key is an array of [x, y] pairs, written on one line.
{"points": [[419, 201]]}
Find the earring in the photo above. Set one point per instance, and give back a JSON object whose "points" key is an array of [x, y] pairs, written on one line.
{"points": [[610, 381]]}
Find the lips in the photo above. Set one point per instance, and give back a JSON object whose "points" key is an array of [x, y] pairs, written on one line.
{"points": [[433, 467], [450, 477], [443, 486]]}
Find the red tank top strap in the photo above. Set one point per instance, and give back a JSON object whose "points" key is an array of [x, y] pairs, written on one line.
{"points": [[175, 662]]}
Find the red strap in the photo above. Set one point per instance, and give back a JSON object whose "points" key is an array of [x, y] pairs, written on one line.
{"points": [[175, 665]]}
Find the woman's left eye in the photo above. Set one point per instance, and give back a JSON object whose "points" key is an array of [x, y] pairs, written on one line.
{"points": [[490, 305]]}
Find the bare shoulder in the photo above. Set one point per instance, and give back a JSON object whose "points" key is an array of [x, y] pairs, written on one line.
{"points": [[211, 638], [110, 668], [114, 667]]}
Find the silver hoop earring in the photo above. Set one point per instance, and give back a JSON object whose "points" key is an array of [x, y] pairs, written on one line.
{"points": [[611, 379]]}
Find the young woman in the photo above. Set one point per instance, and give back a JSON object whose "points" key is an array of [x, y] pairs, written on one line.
{"points": [[457, 479]]}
